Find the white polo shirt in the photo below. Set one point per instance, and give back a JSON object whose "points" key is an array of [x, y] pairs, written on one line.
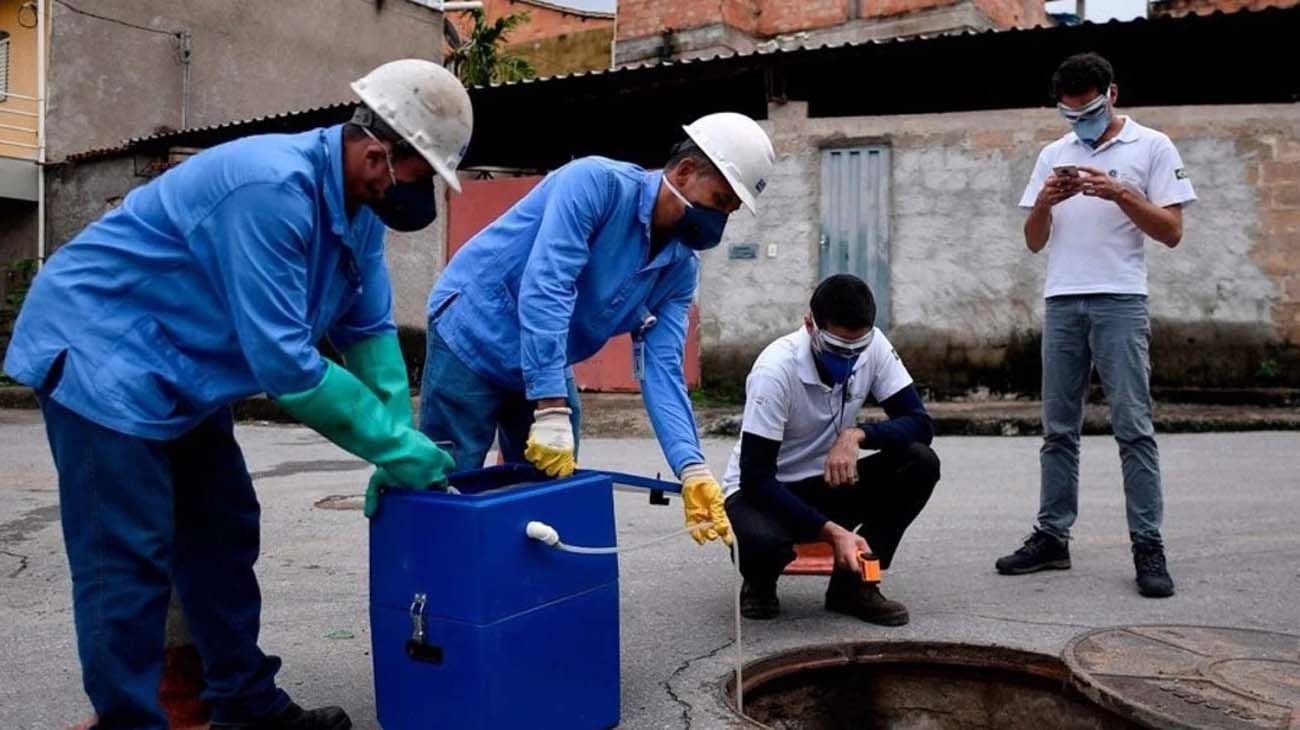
{"points": [[786, 401], [1094, 248]]}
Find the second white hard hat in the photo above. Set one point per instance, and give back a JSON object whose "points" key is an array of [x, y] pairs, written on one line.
{"points": [[739, 148], [427, 105]]}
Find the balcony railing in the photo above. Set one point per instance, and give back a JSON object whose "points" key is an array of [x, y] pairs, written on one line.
{"points": [[19, 135]]}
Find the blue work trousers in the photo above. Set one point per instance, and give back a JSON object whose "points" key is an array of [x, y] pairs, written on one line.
{"points": [[140, 516], [1111, 332], [459, 406]]}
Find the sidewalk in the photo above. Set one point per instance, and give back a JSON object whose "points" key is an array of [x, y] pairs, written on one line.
{"points": [[622, 415]]}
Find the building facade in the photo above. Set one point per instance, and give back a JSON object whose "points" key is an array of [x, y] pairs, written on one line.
{"points": [[557, 39], [119, 69], [913, 186], [664, 29]]}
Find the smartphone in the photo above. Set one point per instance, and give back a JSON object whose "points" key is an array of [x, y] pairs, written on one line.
{"points": [[1066, 170]]}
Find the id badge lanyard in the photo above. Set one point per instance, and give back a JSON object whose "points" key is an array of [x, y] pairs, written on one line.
{"points": [[648, 320]]}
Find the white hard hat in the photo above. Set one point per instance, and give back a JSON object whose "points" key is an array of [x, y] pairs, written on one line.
{"points": [[739, 148], [427, 105]]}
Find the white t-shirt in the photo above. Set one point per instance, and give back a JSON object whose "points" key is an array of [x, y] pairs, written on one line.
{"points": [[1094, 248], [786, 401]]}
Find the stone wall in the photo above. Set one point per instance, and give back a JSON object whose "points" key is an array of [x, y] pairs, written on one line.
{"points": [[967, 302]]}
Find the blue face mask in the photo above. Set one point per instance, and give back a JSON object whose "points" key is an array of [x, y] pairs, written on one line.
{"points": [[699, 228], [405, 206], [838, 367], [1090, 122]]}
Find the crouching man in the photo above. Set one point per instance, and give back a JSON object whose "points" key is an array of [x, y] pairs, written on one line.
{"points": [[796, 475]]}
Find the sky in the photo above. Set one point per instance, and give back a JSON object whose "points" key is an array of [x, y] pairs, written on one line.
{"points": [[1099, 11], [604, 6]]}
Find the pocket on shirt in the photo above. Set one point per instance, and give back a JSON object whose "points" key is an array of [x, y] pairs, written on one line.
{"points": [[148, 377]]}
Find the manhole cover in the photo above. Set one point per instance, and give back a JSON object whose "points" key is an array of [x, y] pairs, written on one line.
{"points": [[1191, 676]]}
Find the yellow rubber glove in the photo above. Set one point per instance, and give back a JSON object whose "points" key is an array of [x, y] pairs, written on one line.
{"points": [[702, 500], [550, 442]]}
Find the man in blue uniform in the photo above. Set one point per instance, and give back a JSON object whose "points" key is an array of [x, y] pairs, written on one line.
{"points": [[599, 248], [210, 284]]}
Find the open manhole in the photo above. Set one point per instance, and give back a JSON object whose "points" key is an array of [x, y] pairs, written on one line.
{"points": [[1169, 677], [918, 686]]}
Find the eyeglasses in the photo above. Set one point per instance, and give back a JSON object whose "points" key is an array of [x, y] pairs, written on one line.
{"points": [[1091, 110]]}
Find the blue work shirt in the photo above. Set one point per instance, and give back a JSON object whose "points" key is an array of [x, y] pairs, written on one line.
{"points": [[210, 284], [548, 283]]}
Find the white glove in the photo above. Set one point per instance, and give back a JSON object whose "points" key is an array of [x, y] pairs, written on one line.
{"points": [[550, 442]]}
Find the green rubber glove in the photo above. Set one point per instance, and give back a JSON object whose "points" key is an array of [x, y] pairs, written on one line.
{"points": [[348, 413], [378, 363]]}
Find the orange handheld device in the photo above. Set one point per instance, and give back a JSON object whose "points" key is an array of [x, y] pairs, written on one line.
{"points": [[870, 567]]}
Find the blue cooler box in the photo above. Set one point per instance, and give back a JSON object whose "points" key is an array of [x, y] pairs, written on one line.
{"points": [[474, 626]]}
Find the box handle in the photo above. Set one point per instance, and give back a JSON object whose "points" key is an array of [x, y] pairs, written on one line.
{"points": [[415, 646]]}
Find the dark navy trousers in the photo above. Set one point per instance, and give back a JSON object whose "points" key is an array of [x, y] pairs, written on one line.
{"points": [[140, 516]]}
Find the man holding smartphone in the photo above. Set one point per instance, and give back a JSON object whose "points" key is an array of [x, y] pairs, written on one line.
{"points": [[1094, 197]]}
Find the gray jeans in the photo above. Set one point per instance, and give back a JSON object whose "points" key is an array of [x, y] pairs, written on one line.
{"points": [[1111, 332]]}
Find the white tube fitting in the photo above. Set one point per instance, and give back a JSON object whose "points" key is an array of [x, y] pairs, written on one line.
{"points": [[542, 532]]}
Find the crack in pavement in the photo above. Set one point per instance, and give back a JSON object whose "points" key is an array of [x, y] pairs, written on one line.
{"points": [[290, 468], [16, 530], [22, 563], [1006, 619], [668, 687]]}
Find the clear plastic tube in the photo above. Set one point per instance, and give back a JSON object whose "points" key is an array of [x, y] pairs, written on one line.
{"points": [[548, 536], [580, 550]]}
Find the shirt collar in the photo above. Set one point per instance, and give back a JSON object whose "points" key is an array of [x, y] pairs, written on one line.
{"points": [[805, 365], [332, 147]]}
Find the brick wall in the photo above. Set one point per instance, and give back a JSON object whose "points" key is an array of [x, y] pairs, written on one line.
{"points": [[1014, 13], [543, 22], [767, 18], [1176, 8], [641, 18], [777, 17]]}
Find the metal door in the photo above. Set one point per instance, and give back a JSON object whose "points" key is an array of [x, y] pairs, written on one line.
{"points": [[855, 219]]}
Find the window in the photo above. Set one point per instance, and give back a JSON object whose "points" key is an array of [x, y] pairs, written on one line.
{"points": [[4, 65]]}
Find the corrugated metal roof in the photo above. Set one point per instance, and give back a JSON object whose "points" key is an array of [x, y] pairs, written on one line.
{"points": [[628, 77]]}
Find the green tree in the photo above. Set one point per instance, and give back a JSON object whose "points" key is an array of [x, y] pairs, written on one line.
{"points": [[480, 60]]}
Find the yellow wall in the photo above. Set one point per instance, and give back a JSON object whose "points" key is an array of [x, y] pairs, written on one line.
{"points": [[22, 79]]}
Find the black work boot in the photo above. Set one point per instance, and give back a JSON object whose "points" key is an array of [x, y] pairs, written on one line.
{"points": [[1152, 576], [294, 717], [758, 600], [1041, 551], [849, 594]]}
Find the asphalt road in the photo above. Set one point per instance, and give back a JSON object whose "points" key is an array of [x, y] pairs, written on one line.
{"points": [[1231, 527]]}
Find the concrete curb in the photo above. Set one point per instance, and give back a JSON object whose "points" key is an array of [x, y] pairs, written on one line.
{"points": [[622, 415]]}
